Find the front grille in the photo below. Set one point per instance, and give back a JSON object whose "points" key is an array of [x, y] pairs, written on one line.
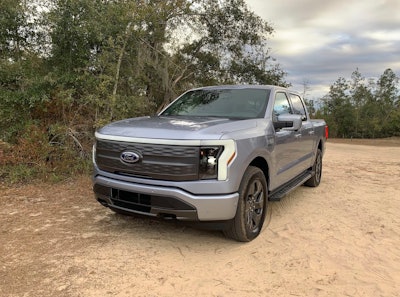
{"points": [[164, 162]]}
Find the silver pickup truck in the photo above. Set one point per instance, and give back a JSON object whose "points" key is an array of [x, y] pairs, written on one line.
{"points": [[216, 154]]}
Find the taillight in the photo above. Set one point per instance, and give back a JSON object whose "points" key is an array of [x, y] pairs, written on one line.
{"points": [[326, 131]]}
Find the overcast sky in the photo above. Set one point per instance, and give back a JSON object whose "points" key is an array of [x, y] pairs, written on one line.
{"points": [[319, 41]]}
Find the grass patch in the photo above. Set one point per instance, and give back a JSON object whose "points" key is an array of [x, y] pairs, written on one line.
{"points": [[28, 173]]}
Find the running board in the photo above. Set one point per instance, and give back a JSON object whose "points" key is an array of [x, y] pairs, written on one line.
{"points": [[282, 191]]}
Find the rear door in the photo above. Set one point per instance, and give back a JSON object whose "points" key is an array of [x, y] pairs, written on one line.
{"points": [[307, 138]]}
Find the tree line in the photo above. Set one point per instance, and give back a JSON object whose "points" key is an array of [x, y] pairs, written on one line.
{"points": [[70, 66], [363, 108]]}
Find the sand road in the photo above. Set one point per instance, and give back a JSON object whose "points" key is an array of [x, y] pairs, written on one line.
{"points": [[340, 239]]}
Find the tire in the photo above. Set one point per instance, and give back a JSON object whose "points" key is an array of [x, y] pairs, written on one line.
{"points": [[315, 180], [252, 207]]}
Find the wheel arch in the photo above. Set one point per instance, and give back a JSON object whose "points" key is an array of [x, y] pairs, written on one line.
{"points": [[321, 145], [261, 163]]}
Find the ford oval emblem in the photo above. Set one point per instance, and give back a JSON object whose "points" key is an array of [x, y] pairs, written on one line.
{"points": [[130, 157]]}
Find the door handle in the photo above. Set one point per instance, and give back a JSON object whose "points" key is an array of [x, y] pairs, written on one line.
{"points": [[297, 135], [311, 133]]}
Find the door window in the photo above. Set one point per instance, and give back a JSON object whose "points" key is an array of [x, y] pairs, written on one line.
{"points": [[298, 107], [281, 105]]}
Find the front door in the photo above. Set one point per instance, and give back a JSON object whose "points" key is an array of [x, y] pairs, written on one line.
{"points": [[287, 153]]}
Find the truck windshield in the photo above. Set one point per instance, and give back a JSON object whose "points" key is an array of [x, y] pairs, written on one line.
{"points": [[228, 103]]}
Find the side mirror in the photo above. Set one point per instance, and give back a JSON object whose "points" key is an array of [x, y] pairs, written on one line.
{"points": [[289, 122]]}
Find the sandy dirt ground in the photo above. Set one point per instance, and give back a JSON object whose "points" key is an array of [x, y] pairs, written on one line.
{"points": [[340, 239]]}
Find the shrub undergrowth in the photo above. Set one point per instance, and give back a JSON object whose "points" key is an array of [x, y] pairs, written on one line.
{"points": [[45, 154]]}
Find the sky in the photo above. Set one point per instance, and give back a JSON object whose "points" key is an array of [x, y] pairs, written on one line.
{"points": [[317, 41]]}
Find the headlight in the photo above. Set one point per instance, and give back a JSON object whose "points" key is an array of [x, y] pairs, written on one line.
{"points": [[208, 162]]}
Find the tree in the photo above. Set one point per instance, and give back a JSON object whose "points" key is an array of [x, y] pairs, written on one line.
{"points": [[360, 94], [20, 68], [231, 47], [12, 23], [387, 95], [339, 110]]}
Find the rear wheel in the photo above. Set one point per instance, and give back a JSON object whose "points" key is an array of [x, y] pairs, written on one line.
{"points": [[315, 180], [252, 206]]}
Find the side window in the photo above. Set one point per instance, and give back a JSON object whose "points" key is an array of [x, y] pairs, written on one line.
{"points": [[298, 107], [281, 105]]}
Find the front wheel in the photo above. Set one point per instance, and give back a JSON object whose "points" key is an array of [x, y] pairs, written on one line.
{"points": [[252, 206], [315, 180]]}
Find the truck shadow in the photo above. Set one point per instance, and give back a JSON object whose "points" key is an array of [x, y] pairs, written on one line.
{"points": [[151, 227], [145, 227]]}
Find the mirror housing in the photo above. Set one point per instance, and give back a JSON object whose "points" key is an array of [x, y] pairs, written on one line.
{"points": [[289, 122]]}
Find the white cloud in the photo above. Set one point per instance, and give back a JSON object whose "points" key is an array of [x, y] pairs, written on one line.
{"points": [[383, 35], [320, 41], [298, 41]]}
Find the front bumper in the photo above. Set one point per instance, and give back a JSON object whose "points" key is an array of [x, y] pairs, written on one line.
{"points": [[164, 201]]}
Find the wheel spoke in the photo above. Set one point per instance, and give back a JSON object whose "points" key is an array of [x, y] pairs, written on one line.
{"points": [[249, 220], [259, 203], [257, 188], [256, 219]]}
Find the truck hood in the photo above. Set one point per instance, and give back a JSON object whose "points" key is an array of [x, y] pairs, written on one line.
{"points": [[180, 128]]}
